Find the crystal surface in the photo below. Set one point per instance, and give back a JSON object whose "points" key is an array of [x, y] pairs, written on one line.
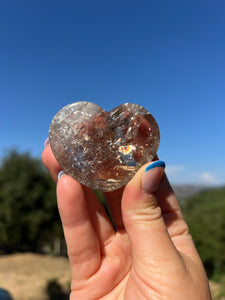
{"points": [[103, 150]]}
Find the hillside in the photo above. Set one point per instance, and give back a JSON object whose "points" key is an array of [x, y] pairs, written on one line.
{"points": [[205, 215], [187, 190], [26, 275]]}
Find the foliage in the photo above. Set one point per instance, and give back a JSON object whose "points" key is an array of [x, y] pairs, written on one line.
{"points": [[205, 215], [55, 291], [28, 212]]}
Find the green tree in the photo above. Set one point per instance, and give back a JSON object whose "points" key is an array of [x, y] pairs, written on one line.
{"points": [[55, 291], [28, 211], [205, 215]]}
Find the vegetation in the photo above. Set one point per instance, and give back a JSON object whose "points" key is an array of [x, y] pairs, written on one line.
{"points": [[28, 213], [205, 215], [55, 291]]}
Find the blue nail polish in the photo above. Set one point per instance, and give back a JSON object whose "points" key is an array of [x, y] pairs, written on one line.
{"points": [[46, 143], [155, 164], [61, 173]]}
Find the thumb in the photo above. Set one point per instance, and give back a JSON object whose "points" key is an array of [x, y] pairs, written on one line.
{"points": [[142, 217]]}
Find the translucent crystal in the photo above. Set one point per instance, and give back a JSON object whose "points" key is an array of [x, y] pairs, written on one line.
{"points": [[103, 150]]}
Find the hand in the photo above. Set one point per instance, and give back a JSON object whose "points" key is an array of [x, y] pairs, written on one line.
{"points": [[151, 254]]}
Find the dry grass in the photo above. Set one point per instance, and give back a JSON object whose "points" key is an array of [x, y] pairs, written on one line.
{"points": [[25, 276], [218, 290]]}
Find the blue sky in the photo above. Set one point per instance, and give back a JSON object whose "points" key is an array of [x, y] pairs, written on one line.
{"points": [[168, 56]]}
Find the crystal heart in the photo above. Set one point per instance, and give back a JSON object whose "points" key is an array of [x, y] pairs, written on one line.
{"points": [[103, 150]]}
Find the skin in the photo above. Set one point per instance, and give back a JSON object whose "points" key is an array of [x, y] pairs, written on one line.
{"points": [[150, 255]]}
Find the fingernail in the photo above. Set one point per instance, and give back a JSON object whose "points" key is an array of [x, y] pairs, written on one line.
{"points": [[150, 179], [46, 143], [155, 164], [60, 174]]}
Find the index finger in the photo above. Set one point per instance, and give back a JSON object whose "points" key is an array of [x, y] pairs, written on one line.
{"points": [[51, 163]]}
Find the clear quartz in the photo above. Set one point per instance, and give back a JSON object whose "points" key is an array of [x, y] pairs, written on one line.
{"points": [[103, 150]]}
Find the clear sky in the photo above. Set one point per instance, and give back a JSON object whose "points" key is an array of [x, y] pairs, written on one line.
{"points": [[168, 56]]}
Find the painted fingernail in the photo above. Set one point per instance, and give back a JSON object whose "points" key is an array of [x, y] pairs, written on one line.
{"points": [[60, 174], [155, 164], [46, 143], [151, 180]]}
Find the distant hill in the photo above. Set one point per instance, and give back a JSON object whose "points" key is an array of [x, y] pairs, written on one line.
{"points": [[185, 191], [188, 190]]}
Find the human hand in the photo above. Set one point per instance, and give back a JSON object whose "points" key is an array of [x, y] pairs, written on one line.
{"points": [[150, 255]]}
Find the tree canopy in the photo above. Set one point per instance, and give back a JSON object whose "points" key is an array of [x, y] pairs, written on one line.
{"points": [[205, 215], [28, 210]]}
